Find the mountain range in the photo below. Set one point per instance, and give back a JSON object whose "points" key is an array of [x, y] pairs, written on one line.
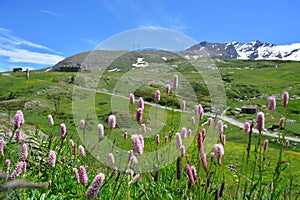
{"points": [[256, 50]]}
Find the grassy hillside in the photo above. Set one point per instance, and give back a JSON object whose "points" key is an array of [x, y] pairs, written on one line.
{"points": [[246, 82]]}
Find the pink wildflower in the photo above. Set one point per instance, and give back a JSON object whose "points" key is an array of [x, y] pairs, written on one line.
{"points": [[175, 82], [157, 139], [260, 121], [190, 173], [182, 105], [131, 98], [95, 186], [157, 96], [219, 152], [139, 115], [285, 99], [18, 137], [82, 124], [2, 147], [168, 89], [82, 175], [50, 120], [193, 120], [63, 131], [183, 133], [272, 103], [111, 158], [27, 74], [141, 103], [220, 126], [52, 158], [138, 144], [81, 150], [266, 144], [24, 151], [100, 131], [246, 127], [144, 128], [182, 150], [178, 140], [111, 121], [189, 132], [76, 174]]}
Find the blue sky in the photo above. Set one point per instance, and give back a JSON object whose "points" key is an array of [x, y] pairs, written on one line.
{"points": [[38, 34]]}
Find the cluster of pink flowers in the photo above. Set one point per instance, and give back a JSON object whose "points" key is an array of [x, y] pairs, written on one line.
{"points": [[95, 186], [19, 119], [260, 121], [63, 131], [82, 175], [246, 127], [139, 115], [81, 151], [157, 96], [178, 140], [100, 131], [131, 98], [1, 147], [183, 105], [219, 152], [201, 150], [175, 82], [111, 122], [272, 103], [24, 151], [183, 132], [141, 103], [168, 89], [137, 143], [18, 170], [50, 120], [111, 159], [52, 158]]}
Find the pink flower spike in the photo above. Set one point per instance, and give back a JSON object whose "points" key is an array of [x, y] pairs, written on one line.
{"points": [[220, 126], [125, 135], [183, 132], [212, 155], [166, 139], [27, 74], [272, 103], [246, 127], [141, 103], [193, 121], [157, 96], [219, 152], [190, 173], [17, 171], [196, 109], [178, 140], [111, 159], [81, 150], [144, 128], [52, 158], [100, 128], [260, 121], [131, 98], [200, 111], [24, 151], [157, 139], [209, 121], [182, 150], [138, 144], [139, 115], [63, 131], [281, 121], [71, 142], [285, 99], [182, 106], [76, 174], [135, 178], [82, 175], [189, 132], [82, 124], [266, 144], [50, 120], [111, 122], [7, 161], [168, 89], [175, 82], [194, 171], [287, 143], [18, 135], [95, 186]]}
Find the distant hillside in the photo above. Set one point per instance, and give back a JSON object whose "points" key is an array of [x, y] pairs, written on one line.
{"points": [[232, 50]]}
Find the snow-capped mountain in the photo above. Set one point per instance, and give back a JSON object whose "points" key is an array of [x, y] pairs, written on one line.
{"points": [[253, 50]]}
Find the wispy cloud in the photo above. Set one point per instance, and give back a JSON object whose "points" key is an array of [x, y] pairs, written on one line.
{"points": [[53, 13], [91, 41], [14, 49]]}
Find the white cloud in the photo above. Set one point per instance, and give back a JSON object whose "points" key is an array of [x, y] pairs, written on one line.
{"points": [[14, 49], [52, 13], [23, 55]]}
